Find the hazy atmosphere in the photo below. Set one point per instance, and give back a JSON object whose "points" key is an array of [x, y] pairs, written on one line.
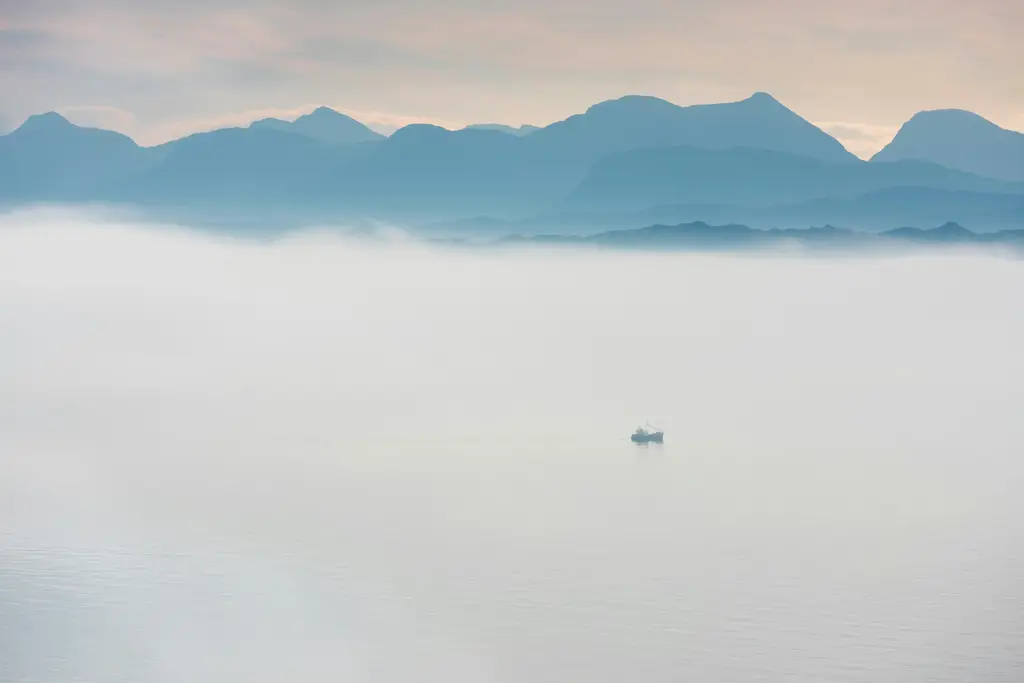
{"points": [[324, 458], [488, 342]]}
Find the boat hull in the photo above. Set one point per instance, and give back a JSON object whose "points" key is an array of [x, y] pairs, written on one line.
{"points": [[657, 437]]}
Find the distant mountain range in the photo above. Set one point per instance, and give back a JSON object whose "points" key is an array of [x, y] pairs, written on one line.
{"points": [[873, 212], [700, 236], [751, 161]]}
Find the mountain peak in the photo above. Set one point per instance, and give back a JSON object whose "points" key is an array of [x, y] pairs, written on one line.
{"points": [[268, 122], [763, 99], [632, 103], [47, 121], [947, 232], [519, 131], [960, 119], [951, 227], [325, 125], [637, 121], [419, 132], [957, 115], [323, 113], [959, 139]]}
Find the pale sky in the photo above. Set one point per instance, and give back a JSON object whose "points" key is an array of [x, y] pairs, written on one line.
{"points": [[163, 68]]}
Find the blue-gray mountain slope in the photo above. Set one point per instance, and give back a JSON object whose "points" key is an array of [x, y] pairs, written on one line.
{"points": [[50, 159], [959, 139], [754, 177], [701, 236], [619, 155], [323, 125], [502, 128], [633, 122]]}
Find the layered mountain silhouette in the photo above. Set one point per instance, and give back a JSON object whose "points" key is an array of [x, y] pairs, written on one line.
{"points": [[502, 128], [633, 122], [323, 125], [701, 236], [48, 158], [752, 160], [882, 209], [422, 167], [874, 211], [959, 139], [231, 165], [752, 177]]}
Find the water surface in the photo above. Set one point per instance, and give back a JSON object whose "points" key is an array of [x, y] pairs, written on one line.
{"points": [[317, 460]]}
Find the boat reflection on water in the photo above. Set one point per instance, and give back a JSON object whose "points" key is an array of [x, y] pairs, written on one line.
{"points": [[648, 434]]}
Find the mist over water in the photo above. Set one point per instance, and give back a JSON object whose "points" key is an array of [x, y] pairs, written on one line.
{"points": [[320, 459]]}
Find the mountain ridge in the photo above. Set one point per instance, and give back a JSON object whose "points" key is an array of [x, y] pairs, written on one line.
{"points": [[702, 236], [425, 172], [524, 129], [47, 157], [959, 139], [639, 121], [752, 177], [324, 125]]}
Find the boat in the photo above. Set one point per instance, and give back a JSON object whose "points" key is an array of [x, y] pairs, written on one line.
{"points": [[648, 434]]}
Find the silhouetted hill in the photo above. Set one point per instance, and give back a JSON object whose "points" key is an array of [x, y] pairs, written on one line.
{"points": [[234, 164], [424, 167], [752, 177], [693, 235], [48, 158], [948, 232], [959, 139], [502, 128], [953, 233], [875, 211], [632, 122], [323, 125], [700, 236], [881, 209]]}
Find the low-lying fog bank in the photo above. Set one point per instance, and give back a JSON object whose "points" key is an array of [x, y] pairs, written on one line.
{"points": [[320, 458]]}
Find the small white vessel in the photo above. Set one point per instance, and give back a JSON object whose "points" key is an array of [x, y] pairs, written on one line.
{"points": [[648, 434]]}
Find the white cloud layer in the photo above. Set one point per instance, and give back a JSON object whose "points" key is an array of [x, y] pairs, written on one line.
{"points": [[316, 460]]}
